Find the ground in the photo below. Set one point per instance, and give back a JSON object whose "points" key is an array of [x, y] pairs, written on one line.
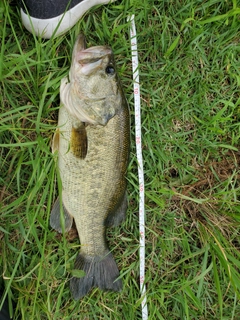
{"points": [[190, 106]]}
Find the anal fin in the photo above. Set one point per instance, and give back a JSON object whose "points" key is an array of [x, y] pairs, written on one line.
{"points": [[118, 216], [55, 217]]}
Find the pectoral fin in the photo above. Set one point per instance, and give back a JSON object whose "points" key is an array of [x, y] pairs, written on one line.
{"points": [[55, 141], [79, 142]]}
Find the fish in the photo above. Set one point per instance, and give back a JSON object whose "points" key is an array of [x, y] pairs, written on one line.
{"points": [[92, 142]]}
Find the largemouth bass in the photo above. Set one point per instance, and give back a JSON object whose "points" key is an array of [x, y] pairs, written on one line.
{"points": [[92, 140]]}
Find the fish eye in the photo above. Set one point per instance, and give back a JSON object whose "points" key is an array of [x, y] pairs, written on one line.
{"points": [[110, 70]]}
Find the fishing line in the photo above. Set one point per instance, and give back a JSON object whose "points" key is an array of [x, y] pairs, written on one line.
{"points": [[137, 108]]}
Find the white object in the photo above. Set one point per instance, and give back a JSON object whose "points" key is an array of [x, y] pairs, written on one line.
{"points": [[137, 106], [45, 28]]}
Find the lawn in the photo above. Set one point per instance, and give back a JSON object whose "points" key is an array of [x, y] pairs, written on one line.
{"points": [[189, 65]]}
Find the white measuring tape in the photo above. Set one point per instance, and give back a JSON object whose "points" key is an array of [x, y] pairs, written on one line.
{"points": [[137, 106]]}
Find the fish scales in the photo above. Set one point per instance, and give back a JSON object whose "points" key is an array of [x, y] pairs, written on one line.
{"points": [[92, 140], [88, 193]]}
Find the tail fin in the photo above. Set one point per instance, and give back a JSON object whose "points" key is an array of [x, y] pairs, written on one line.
{"points": [[100, 272]]}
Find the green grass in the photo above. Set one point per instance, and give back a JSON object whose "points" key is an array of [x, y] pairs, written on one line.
{"points": [[189, 53]]}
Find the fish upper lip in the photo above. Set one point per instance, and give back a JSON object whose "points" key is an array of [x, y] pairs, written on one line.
{"points": [[100, 51], [92, 54], [81, 52]]}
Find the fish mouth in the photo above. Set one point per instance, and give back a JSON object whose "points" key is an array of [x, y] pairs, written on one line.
{"points": [[92, 54], [89, 58]]}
